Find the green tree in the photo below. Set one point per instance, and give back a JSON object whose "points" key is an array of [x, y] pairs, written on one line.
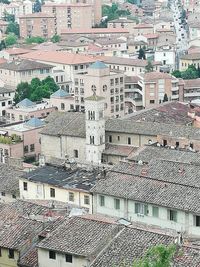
{"points": [[37, 6], [190, 73], [9, 17], [23, 91], [176, 73], [142, 54], [55, 38], [113, 12], [13, 27], [10, 39], [5, 2], [36, 40], [149, 66], [165, 98], [158, 256], [36, 90]]}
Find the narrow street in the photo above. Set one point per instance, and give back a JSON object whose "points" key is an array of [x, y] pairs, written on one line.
{"points": [[180, 29]]}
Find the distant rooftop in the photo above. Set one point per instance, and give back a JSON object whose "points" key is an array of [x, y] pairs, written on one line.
{"points": [[25, 103], [24, 65], [98, 65], [60, 93], [34, 123]]}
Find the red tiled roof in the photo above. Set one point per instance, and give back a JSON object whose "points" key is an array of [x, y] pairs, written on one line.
{"points": [[2, 60], [60, 57], [17, 51], [156, 75], [151, 35]]}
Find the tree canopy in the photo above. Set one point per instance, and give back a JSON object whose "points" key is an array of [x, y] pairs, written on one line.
{"points": [[55, 38], [158, 256], [113, 12], [13, 27], [141, 54], [7, 2], [35, 39], [190, 73], [149, 66], [36, 90], [37, 6], [10, 39], [9, 17]]}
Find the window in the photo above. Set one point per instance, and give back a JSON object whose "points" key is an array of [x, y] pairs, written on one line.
{"points": [[164, 142], [3, 104], [141, 208], [3, 194], [102, 201], [68, 258], [197, 221], [104, 88], [11, 254], [25, 186], [152, 101], [118, 138], [52, 192], [129, 141], [91, 140], [117, 203], [75, 153], [25, 149], [13, 196], [86, 200], [155, 211], [172, 215], [71, 196], [110, 138], [177, 144], [62, 106], [52, 255], [32, 147]]}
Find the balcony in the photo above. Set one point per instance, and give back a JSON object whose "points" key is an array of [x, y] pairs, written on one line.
{"points": [[136, 102]]}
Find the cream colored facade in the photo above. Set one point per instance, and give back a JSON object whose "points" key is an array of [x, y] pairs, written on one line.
{"points": [[106, 83], [44, 261], [5, 261], [187, 60], [42, 191], [184, 221], [13, 77]]}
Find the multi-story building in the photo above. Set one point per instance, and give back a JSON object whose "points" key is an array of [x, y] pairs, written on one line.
{"points": [[69, 16], [103, 82], [27, 109], [17, 71], [189, 59], [122, 23], [6, 98], [21, 140], [37, 24], [62, 101]]}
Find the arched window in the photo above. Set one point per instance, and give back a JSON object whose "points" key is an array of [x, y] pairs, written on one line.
{"points": [[105, 88], [94, 89]]}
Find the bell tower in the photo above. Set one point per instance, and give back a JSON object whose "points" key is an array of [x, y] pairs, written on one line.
{"points": [[95, 128]]}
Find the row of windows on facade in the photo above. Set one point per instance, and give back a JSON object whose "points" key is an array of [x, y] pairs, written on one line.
{"points": [[62, 106], [31, 149], [110, 139], [143, 209], [92, 140], [11, 253], [71, 195], [91, 115], [116, 99], [21, 118], [68, 257], [115, 81], [3, 194], [126, 68], [3, 104], [116, 108], [112, 91]]}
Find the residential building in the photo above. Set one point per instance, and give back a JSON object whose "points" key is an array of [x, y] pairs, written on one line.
{"points": [[21, 140], [17, 71], [122, 23], [189, 59], [129, 66], [6, 98], [13, 53], [104, 82], [69, 16], [9, 186], [27, 109], [148, 90], [141, 29], [97, 32], [37, 24], [112, 46], [67, 183], [62, 100], [188, 90], [70, 63], [140, 201], [166, 54]]}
